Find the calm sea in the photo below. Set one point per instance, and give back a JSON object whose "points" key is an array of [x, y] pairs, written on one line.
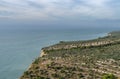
{"points": [[18, 48]]}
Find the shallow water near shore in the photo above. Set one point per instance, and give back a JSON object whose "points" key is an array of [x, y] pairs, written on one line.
{"points": [[19, 48]]}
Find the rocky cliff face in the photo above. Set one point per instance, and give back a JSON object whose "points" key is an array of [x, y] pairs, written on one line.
{"points": [[42, 53]]}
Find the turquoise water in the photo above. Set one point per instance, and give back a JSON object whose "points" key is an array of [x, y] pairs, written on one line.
{"points": [[18, 48]]}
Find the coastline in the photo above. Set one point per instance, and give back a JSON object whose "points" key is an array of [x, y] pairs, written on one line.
{"points": [[33, 42], [101, 35], [100, 42], [42, 52]]}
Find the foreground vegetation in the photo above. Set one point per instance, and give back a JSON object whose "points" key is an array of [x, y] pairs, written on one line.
{"points": [[84, 60]]}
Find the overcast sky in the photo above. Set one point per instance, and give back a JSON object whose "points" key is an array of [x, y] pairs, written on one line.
{"points": [[57, 13]]}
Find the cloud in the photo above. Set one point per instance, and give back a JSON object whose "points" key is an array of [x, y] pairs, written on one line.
{"points": [[96, 2], [59, 9]]}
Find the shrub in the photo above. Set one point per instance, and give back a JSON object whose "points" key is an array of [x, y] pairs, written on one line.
{"points": [[36, 61], [109, 76]]}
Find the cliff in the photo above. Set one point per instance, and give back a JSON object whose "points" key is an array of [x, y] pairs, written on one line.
{"points": [[42, 53], [78, 59]]}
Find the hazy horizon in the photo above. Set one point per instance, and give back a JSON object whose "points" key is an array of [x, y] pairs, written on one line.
{"points": [[37, 14]]}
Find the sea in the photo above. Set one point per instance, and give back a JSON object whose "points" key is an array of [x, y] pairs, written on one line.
{"points": [[20, 47]]}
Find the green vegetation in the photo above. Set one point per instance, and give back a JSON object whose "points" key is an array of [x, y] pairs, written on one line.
{"points": [[91, 59], [36, 61], [109, 76]]}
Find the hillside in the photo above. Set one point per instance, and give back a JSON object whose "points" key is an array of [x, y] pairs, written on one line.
{"points": [[89, 59]]}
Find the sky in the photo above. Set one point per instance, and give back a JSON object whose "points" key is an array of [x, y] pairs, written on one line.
{"points": [[59, 13]]}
